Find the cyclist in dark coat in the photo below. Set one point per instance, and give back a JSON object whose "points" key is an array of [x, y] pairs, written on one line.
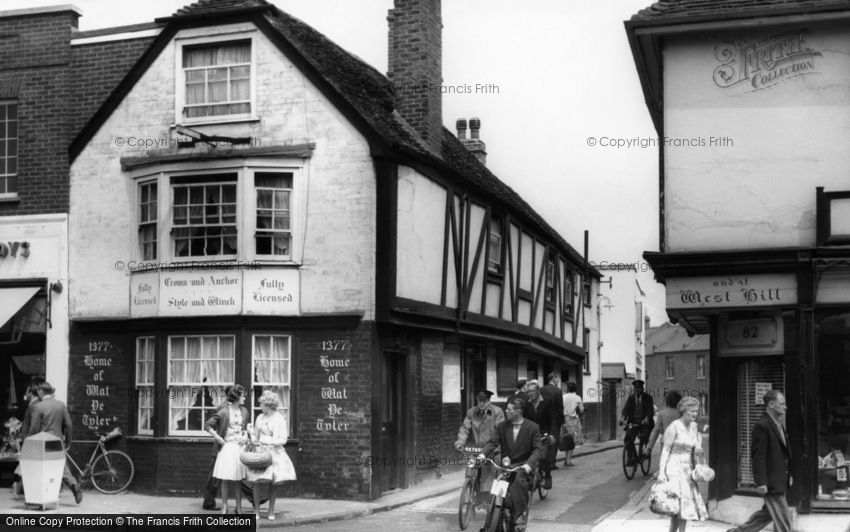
{"points": [[640, 412]]}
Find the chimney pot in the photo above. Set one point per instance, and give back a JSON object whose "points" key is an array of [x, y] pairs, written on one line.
{"points": [[474, 127], [461, 128]]}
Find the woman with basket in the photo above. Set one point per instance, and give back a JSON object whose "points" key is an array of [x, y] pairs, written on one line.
{"points": [[270, 430], [227, 427], [676, 470]]}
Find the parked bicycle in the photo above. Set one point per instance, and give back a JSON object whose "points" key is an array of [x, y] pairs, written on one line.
{"points": [[498, 515], [471, 489], [109, 471], [642, 459]]}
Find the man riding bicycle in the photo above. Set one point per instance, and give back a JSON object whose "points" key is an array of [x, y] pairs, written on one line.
{"points": [[519, 440], [479, 424], [542, 412], [639, 413]]}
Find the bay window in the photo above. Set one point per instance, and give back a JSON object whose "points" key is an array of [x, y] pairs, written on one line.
{"points": [[218, 212], [144, 384]]}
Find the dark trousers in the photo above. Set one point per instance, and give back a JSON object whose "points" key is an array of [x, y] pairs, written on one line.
{"points": [[211, 489], [643, 430], [517, 499], [775, 509], [550, 452]]}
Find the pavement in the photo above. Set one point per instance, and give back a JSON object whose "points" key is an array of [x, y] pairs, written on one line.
{"points": [[633, 516]]}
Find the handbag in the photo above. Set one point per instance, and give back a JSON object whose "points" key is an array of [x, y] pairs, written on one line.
{"points": [[663, 499], [568, 443], [255, 456], [701, 472]]}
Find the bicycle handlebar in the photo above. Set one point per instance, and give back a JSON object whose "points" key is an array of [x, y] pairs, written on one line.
{"points": [[503, 468]]}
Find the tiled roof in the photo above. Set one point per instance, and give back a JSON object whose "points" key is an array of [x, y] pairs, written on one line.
{"points": [[370, 94], [685, 10]]}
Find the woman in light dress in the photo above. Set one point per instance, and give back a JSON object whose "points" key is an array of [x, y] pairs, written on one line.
{"points": [[573, 409], [677, 465], [227, 426], [270, 429]]}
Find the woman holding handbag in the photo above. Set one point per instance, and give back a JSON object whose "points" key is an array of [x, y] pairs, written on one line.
{"points": [[227, 427], [270, 429], [677, 465]]}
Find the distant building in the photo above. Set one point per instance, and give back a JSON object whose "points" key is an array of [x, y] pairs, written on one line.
{"points": [[623, 321], [677, 361]]}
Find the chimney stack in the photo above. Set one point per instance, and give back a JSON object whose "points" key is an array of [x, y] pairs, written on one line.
{"points": [[415, 66], [474, 144]]}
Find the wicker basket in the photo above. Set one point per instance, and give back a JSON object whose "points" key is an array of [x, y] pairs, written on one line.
{"points": [[256, 456]]}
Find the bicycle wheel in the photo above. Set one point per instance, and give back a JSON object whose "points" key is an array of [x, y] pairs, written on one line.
{"points": [[493, 522], [466, 506], [645, 461], [629, 470], [112, 472], [541, 489]]}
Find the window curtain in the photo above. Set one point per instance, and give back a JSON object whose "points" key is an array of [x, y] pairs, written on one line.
{"points": [[186, 370], [219, 54]]}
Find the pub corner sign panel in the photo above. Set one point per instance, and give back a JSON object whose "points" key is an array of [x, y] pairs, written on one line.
{"points": [[273, 292], [747, 291]]}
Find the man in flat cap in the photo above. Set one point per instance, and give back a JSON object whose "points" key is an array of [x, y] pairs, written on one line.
{"points": [[477, 428], [639, 412]]}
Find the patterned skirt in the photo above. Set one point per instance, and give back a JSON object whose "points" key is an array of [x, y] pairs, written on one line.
{"points": [[679, 473]]}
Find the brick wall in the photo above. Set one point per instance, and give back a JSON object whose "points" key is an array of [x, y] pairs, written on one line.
{"points": [[415, 65], [684, 376], [429, 399], [330, 463], [34, 60]]}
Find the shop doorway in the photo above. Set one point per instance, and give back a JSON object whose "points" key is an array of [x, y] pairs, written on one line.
{"points": [[755, 377], [393, 421], [23, 339]]}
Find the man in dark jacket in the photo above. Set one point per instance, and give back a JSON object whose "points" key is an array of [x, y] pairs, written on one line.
{"points": [[640, 413], [552, 392], [543, 413], [519, 440], [771, 455]]}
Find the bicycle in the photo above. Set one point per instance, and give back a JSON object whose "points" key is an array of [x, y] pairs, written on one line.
{"points": [[498, 516], [111, 471], [644, 460], [471, 489], [539, 481]]}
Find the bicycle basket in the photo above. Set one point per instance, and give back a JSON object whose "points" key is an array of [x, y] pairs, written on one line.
{"points": [[113, 434]]}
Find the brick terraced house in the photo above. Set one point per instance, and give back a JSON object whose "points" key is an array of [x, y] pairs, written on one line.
{"points": [[250, 203]]}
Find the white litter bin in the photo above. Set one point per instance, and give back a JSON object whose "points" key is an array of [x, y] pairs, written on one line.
{"points": [[42, 464]]}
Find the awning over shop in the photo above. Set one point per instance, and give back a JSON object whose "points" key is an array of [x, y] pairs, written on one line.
{"points": [[12, 299]]}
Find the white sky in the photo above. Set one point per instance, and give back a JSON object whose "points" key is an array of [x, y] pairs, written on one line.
{"points": [[564, 73]]}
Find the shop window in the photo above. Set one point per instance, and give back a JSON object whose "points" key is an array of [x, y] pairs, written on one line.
{"points": [[833, 423], [271, 369], [204, 217], [8, 148], [217, 79], [199, 370], [494, 253], [274, 213], [669, 369], [145, 351], [700, 366], [147, 219]]}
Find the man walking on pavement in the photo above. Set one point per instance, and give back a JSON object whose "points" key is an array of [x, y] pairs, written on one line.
{"points": [[552, 392], [51, 416], [519, 440], [771, 456]]}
